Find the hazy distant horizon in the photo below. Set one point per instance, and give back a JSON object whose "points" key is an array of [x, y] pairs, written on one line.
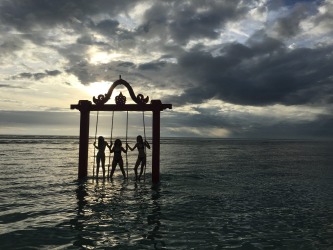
{"points": [[149, 137]]}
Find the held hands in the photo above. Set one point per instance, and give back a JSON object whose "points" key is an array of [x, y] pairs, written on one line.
{"points": [[129, 147]]}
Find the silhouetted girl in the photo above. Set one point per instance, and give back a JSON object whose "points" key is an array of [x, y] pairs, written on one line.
{"points": [[140, 145], [100, 157], [117, 158]]}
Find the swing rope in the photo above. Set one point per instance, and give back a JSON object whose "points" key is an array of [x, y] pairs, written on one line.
{"points": [[94, 145], [144, 133], [110, 143], [126, 145]]}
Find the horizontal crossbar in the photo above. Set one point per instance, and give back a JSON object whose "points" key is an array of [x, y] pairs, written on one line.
{"points": [[155, 105]]}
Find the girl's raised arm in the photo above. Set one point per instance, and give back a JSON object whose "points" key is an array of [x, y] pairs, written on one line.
{"points": [[147, 144]]}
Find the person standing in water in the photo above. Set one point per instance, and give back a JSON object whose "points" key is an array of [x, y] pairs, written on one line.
{"points": [[117, 158], [140, 145], [100, 157]]}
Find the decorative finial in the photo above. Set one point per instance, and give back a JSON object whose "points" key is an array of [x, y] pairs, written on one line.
{"points": [[120, 99]]}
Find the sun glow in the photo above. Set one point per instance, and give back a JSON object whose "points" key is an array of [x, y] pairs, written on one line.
{"points": [[101, 88], [98, 88], [101, 57]]}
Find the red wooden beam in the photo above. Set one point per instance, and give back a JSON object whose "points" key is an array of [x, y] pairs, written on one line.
{"points": [[155, 105]]}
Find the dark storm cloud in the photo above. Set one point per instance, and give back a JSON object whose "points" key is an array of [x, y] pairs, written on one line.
{"points": [[85, 73], [261, 73], [10, 86], [152, 66], [189, 23], [288, 26], [37, 76], [9, 44], [88, 73], [118, 37], [33, 18], [88, 39], [126, 64], [190, 20], [52, 72], [326, 17], [25, 15], [108, 27]]}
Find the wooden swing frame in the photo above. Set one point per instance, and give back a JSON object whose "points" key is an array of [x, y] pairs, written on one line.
{"points": [[85, 106]]}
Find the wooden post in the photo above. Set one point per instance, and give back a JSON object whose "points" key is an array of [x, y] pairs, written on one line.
{"points": [[156, 141], [84, 107]]}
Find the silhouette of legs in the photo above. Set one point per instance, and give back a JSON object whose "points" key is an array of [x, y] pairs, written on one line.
{"points": [[121, 165], [103, 166], [97, 167], [141, 160], [114, 164], [122, 170]]}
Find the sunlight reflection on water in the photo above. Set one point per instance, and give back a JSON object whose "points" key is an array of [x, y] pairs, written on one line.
{"points": [[117, 213]]}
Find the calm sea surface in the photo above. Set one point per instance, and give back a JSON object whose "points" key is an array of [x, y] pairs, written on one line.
{"points": [[214, 194]]}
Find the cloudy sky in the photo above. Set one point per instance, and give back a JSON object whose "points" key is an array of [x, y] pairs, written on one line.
{"points": [[231, 68]]}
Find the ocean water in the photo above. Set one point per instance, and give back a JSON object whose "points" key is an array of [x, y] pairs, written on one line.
{"points": [[214, 194]]}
